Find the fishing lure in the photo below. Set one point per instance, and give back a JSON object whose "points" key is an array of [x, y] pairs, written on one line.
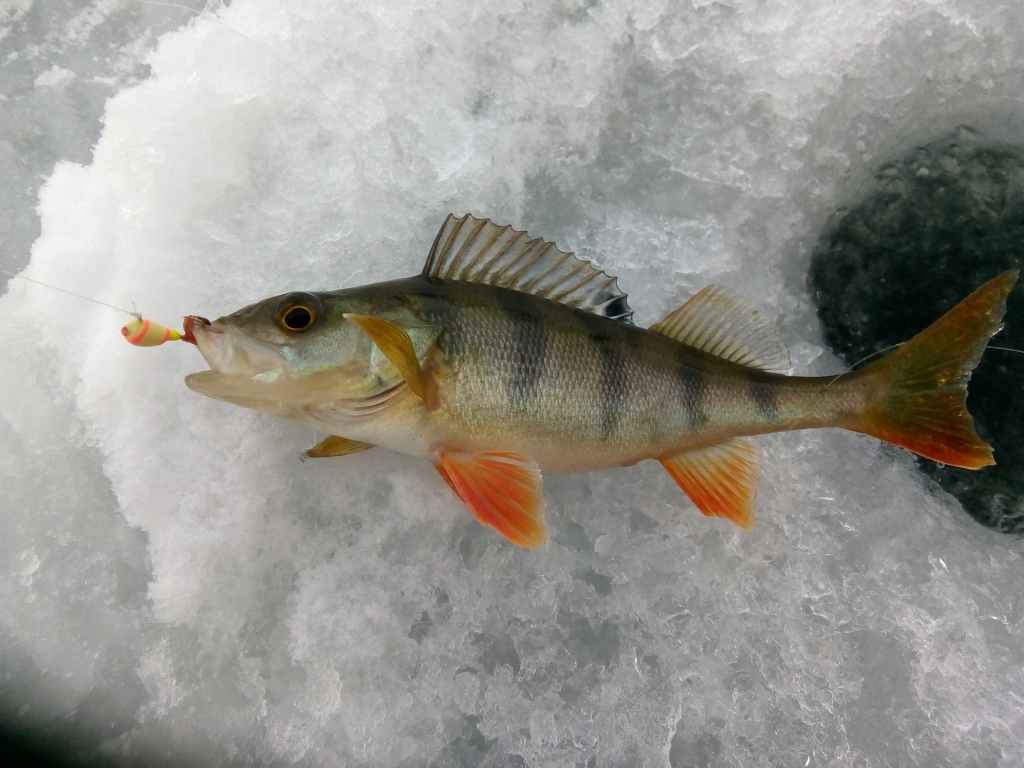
{"points": [[138, 331], [146, 333]]}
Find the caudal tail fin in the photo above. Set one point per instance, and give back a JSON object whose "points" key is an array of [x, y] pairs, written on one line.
{"points": [[922, 387]]}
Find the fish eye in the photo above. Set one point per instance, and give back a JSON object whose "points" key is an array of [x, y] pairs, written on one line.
{"points": [[298, 311], [298, 318]]}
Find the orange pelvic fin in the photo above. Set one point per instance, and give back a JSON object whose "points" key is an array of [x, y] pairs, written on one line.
{"points": [[394, 342], [720, 479], [922, 399], [336, 446], [504, 490]]}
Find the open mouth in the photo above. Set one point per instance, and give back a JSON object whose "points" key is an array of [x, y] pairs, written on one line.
{"points": [[241, 368], [227, 350], [189, 325], [222, 354], [254, 374]]}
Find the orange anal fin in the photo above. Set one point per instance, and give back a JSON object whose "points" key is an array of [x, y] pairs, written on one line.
{"points": [[394, 342], [336, 446], [504, 490], [720, 479]]}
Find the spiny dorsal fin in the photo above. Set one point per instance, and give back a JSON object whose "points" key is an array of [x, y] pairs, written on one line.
{"points": [[720, 323], [479, 251]]}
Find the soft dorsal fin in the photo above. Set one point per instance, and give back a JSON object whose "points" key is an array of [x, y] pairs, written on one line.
{"points": [[719, 322], [479, 251]]}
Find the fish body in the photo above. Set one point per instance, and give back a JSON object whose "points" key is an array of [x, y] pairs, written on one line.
{"points": [[508, 358], [573, 390]]}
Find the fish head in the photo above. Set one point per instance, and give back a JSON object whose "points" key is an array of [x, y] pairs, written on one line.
{"points": [[297, 349]]}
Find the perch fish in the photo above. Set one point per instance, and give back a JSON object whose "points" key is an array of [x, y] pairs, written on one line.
{"points": [[506, 358]]}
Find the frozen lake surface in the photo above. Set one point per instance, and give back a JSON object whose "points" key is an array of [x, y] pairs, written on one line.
{"points": [[176, 587]]}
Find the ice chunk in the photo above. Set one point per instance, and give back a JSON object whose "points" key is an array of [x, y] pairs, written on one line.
{"points": [[216, 599]]}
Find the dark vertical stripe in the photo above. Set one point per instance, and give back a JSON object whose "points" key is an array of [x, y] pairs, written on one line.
{"points": [[765, 400], [695, 388], [614, 384], [610, 345], [440, 316], [529, 347]]}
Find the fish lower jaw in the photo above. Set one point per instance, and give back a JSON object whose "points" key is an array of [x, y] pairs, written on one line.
{"points": [[210, 342], [227, 354]]}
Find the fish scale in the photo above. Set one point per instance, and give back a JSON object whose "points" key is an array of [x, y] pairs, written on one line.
{"points": [[617, 392], [507, 358]]}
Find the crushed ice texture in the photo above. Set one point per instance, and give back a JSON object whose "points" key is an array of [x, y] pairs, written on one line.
{"points": [[176, 586]]}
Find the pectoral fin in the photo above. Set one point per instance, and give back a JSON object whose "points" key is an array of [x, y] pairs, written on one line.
{"points": [[336, 446], [720, 479], [394, 342], [503, 490]]}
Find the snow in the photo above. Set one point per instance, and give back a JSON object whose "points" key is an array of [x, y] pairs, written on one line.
{"points": [[179, 585]]}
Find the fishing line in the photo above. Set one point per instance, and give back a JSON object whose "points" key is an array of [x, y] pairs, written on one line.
{"points": [[873, 354], [138, 331], [202, 15], [879, 352], [137, 315], [71, 293]]}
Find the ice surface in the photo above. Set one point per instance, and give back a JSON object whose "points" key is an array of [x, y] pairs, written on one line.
{"points": [[178, 586]]}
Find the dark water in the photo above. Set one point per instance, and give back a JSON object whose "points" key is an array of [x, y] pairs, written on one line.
{"points": [[938, 223]]}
